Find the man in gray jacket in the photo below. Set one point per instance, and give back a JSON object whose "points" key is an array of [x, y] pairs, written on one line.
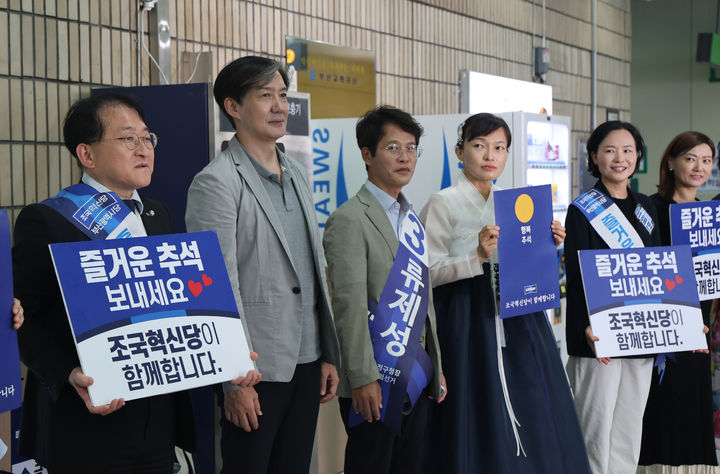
{"points": [[258, 200], [382, 299]]}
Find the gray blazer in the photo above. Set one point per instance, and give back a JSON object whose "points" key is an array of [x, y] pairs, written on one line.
{"points": [[361, 246], [227, 196]]}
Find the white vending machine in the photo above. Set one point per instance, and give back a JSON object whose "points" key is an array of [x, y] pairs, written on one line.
{"points": [[540, 154]]}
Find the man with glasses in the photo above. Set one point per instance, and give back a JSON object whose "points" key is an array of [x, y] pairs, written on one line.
{"points": [[382, 303], [61, 429]]}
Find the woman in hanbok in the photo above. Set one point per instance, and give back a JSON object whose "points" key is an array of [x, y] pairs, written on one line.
{"points": [[678, 422], [512, 410]]}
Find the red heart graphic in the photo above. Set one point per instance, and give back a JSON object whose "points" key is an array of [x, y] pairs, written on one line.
{"points": [[195, 287], [207, 281], [670, 284], [678, 280]]}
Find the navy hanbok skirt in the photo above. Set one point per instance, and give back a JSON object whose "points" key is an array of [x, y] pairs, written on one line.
{"points": [[470, 432]]}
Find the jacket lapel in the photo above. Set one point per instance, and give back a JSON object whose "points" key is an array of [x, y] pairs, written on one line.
{"points": [[306, 204], [379, 219], [251, 177], [150, 222]]}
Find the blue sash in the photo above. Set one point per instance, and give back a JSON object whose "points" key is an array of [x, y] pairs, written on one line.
{"points": [[609, 222], [99, 215], [396, 323]]}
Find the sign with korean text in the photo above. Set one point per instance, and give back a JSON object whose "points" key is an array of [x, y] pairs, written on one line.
{"points": [[10, 385], [527, 257], [642, 301], [151, 315], [298, 122], [697, 224], [341, 80]]}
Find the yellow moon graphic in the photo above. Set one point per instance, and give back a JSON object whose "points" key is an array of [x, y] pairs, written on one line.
{"points": [[290, 55], [524, 208]]}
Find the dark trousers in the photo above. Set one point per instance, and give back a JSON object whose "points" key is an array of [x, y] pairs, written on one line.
{"points": [[139, 438], [374, 448], [284, 439]]}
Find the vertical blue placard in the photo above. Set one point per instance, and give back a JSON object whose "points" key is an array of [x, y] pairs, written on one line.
{"points": [[10, 388], [527, 257], [697, 224]]}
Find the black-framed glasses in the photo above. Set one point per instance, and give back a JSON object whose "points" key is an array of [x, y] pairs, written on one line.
{"points": [[132, 141], [396, 150]]}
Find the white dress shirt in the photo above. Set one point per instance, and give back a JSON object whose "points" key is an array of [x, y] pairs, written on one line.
{"points": [[453, 218], [136, 225], [395, 210]]}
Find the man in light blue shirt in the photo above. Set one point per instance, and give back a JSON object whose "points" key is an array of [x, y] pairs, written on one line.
{"points": [[362, 246], [395, 209]]}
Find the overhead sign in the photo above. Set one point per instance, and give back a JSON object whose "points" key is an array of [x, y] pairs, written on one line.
{"points": [[340, 80], [495, 94]]}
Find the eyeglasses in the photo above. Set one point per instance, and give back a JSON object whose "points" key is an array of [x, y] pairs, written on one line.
{"points": [[132, 141], [396, 150]]}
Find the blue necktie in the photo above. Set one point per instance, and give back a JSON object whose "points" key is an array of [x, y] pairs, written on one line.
{"points": [[130, 203]]}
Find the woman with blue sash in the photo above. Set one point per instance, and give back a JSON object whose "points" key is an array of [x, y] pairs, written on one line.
{"points": [[678, 422], [610, 395], [511, 410]]}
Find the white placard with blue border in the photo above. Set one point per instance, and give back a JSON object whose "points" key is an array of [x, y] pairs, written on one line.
{"points": [[527, 256], [697, 224], [642, 300], [151, 315], [10, 385]]}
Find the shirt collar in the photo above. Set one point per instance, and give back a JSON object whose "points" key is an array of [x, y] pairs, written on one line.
{"points": [[471, 192], [266, 173], [92, 182], [387, 201]]}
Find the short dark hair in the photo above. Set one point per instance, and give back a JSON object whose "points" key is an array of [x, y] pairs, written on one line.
{"points": [[602, 131], [243, 74], [371, 126], [83, 124], [682, 143], [480, 125]]}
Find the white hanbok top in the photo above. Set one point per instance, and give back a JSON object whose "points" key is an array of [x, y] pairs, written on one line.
{"points": [[453, 218]]}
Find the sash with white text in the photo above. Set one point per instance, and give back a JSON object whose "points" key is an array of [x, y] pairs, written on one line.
{"points": [[396, 324], [99, 215], [609, 222]]}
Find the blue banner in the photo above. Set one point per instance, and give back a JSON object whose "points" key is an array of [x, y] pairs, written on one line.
{"points": [[99, 215], [151, 315], [609, 222], [10, 385], [697, 224], [642, 301], [396, 324], [527, 256]]}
